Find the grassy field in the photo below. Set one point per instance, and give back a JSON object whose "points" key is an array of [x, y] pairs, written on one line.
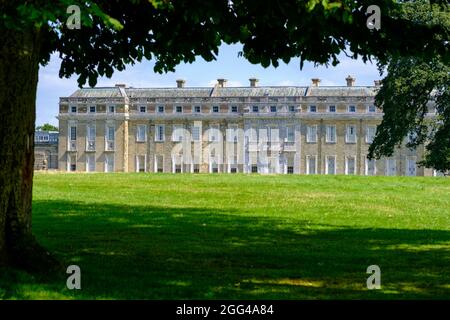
{"points": [[154, 236]]}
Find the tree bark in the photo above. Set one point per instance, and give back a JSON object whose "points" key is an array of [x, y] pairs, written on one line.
{"points": [[19, 66]]}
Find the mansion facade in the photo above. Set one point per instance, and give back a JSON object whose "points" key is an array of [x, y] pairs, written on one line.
{"points": [[255, 129]]}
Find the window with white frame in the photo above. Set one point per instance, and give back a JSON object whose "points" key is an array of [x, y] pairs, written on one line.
{"points": [[72, 162], [391, 167], [177, 133], [111, 109], [290, 134], [92, 109], [411, 167], [350, 136], [234, 109], [370, 167], [197, 109], [141, 133], [160, 109], [311, 165], [312, 109], [90, 139], [178, 109], [253, 134], [73, 133], [255, 109], [331, 108], [142, 109], [73, 109], [350, 165], [273, 108], [159, 133], [141, 163], [330, 165], [291, 109], [215, 109], [371, 109], [214, 133], [331, 134], [370, 133], [196, 133], [311, 134], [232, 133], [109, 162], [90, 162], [352, 109]]}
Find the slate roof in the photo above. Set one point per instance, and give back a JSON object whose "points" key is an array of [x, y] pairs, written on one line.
{"points": [[108, 92]]}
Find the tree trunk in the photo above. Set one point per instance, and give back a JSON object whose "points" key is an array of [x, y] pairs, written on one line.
{"points": [[19, 65]]}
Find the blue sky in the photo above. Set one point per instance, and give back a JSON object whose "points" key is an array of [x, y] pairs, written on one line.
{"points": [[201, 73]]}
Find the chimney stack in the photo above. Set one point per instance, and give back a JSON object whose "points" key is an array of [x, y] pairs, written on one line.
{"points": [[253, 82], [350, 81], [315, 82], [180, 83], [221, 82], [377, 83]]}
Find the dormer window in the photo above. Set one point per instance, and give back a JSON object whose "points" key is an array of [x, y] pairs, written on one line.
{"points": [[273, 108], [331, 108], [143, 109], [92, 109]]}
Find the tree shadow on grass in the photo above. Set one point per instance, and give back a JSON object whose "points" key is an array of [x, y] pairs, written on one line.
{"points": [[148, 252]]}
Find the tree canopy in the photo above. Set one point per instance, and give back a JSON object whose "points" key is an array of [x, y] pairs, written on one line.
{"points": [[116, 33], [412, 87]]}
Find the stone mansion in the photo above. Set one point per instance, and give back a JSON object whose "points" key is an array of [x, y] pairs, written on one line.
{"points": [[255, 129]]}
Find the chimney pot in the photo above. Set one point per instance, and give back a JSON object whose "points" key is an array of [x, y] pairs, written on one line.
{"points": [[315, 82], [253, 82], [350, 81], [180, 83], [221, 82]]}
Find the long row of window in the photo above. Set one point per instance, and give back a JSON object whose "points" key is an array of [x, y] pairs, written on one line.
{"points": [[331, 136], [231, 109]]}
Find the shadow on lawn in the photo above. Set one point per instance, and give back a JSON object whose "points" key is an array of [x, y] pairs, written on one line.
{"points": [[128, 252]]}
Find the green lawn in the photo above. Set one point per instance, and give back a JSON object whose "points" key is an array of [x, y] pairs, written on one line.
{"points": [[162, 236]]}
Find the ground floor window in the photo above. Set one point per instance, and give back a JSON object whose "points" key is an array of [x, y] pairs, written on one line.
{"points": [[370, 167], [141, 164], [254, 169], [350, 165], [178, 168], [72, 162], [290, 169], [311, 165], [196, 168], [331, 165], [233, 170], [109, 163]]}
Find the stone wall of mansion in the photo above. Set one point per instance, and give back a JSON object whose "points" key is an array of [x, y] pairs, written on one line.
{"points": [[304, 130]]}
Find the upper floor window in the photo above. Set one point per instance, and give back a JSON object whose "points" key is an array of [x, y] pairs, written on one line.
{"points": [[273, 108], [312, 109], [177, 133], [197, 109], [111, 109], [331, 134], [331, 108], [255, 109], [143, 109], [92, 109], [196, 133], [371, 108], [179, 109], [161, 109], [234, 109], [290, 134], [73, 109], [291, 108], [350, 136], [73, 133], [351, 108], [141, 133], [159, 132], [370, 133], [215, 109], [214, 133], [311, 134]]}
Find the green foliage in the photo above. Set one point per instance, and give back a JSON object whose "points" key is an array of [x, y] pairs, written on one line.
{"points": [[116, 33], [164, 236], [47, 127], [412, 87]]}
